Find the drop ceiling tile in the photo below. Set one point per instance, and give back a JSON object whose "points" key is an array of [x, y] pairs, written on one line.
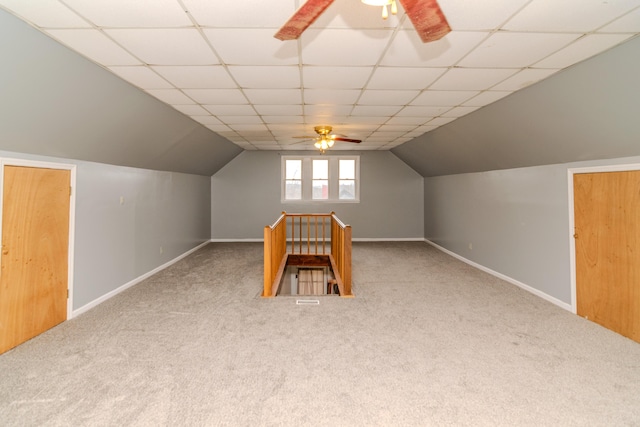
{"points": [[219, 128], [440, 98], [271, 147], [171, 96], [629, 23], [239, 120], [274, 96], [240, 14], [486, 98], [333, 96], [387, 97], [141, 76], [127, 13], [266, 77], [568, 15], [386, 135], [279, 110], [471, 78], [514, 50], [217, 96], [317, 77], [343, 47], [439, 121], [165, 46], [404, 77], [197, 76], [367, 120], [407, 50], [94, 45], [282, 119], [45, 13], [426, 128], [190, 110], [289, 129], [524, 78], [375, 110], [459, 111], [230, 110], [479, 15], [333, 120], [396, 128], [248, 46], [422, 111], [407, 120], [249, 127], [206, 120], [581, 49], [328, 110], [229, 134]]}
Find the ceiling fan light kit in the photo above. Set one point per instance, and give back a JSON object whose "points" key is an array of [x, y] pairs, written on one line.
{"points": [[384, 4], [425, 15], [326, 140]]}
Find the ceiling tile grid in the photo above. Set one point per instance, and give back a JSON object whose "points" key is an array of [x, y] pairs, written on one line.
{"points": [[369, 78]]}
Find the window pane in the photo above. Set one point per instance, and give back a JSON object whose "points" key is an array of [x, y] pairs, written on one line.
{"points": [[347, 169], [320, 189], [347, 188], [293, 169], [321, 169], [293, 190]]}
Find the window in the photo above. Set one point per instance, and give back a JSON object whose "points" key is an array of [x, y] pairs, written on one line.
{"points": [[293, 179], [320, 185], [347, 179], [320, 178]]}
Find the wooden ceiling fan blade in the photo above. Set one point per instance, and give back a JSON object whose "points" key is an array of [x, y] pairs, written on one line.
{"points": [[357, 141], [427, 18], [301, 20]]}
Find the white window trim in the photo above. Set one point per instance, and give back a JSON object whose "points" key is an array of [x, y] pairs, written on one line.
{"points": [[307, 179]]}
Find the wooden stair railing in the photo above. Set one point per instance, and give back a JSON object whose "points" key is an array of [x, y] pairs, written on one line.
{"points": [[308, 245]]}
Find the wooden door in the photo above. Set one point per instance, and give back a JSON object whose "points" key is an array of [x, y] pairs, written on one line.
{"points": [[35, 245], [607, 237]]}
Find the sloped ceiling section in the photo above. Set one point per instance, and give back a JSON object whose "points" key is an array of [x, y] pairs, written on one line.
{"points": [[589, 111], [56, 103]]}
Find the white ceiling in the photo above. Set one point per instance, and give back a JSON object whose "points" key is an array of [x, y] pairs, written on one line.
{"points": [[218, 62]]}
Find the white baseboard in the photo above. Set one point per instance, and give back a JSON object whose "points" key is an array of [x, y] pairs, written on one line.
{"points": [[135, 281], [384, 239], [355, 239], [236, 240], [513, 281]]}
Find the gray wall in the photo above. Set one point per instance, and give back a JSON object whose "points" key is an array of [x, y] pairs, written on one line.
{"points": [[516, 220], [116, 243], [586, 112], [245, 197], [55, 102]]}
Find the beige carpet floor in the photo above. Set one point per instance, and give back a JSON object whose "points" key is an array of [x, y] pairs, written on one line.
{"points": [[427, 340]]}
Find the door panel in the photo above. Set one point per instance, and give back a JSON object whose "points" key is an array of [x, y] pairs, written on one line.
{"points": [[607, 237], [34, 260]]}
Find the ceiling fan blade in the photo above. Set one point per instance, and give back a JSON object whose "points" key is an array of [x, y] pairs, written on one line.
{"points": [[357, 141], [303, 17], [427, 18]]}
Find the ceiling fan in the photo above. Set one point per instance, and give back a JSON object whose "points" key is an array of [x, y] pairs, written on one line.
{"points": [[426, 16], [326, 139]]}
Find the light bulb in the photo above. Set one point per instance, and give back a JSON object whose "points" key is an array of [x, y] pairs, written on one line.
{"points": [[385, 12], [394, 7], [331, 142]]}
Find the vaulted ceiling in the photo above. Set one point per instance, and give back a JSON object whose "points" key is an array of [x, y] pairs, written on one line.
{"points": [[218, 62]]}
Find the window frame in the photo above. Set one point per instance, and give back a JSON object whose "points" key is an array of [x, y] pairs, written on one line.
{"points": [[307, 179]]}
